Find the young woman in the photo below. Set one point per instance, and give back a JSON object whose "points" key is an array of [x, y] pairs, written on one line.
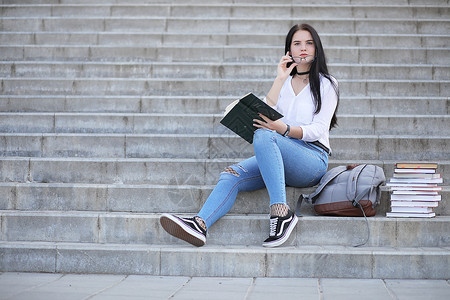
{"points": [[290, 151]]}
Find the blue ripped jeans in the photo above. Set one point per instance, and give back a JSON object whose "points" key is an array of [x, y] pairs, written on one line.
{"points": [[278, 161]]}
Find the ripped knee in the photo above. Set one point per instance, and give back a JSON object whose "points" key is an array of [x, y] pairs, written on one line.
{"points": [[231, 171]]}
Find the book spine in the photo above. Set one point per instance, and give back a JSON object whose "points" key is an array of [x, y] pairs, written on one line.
{"points": [[410, 215], [414, 204], [416, 197]]}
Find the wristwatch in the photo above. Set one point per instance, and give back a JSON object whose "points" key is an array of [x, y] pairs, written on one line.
{"points": [[287, 130]]}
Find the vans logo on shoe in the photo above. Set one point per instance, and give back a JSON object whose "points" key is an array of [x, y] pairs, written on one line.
{"points": [[284, 223]]}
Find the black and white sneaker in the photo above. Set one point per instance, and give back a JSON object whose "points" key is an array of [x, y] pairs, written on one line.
{"points": [[186, 229], [280, 229]]}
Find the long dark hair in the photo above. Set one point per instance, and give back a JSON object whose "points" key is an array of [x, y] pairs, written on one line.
{"points": [[318, 66]]}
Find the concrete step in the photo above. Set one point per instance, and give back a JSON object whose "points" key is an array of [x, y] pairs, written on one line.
{"points": [[218, 54], [246, 230], [158, 39], [228, 261], [208, 104], [168, 2], [208, 87], [240, 70], [199, 146], [145, 123], [225, 24], [230, 10], [151, 198], [147, 171], [138, 198]]}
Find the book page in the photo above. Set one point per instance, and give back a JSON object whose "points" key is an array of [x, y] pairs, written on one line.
{"points": [[230, 107]]}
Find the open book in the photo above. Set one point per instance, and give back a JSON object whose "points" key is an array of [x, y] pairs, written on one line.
{"points": [[239, 115]]}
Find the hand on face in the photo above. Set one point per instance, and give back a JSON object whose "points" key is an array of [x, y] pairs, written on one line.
{"points": [[283, 70]]}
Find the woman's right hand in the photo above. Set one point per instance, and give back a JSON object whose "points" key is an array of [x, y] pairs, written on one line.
{"points": [[283, 71]]}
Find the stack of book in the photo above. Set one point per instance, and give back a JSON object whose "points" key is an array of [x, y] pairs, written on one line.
{"points": [[414, 190]]}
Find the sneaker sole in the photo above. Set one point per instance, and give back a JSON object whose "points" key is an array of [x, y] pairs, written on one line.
{"points": [[177, 228], [285, 237]]}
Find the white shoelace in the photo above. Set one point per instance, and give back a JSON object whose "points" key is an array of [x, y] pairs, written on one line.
{"points": [[273, 226]]}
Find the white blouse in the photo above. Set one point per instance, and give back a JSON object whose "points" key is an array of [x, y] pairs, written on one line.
{"points": [[298, 110]]}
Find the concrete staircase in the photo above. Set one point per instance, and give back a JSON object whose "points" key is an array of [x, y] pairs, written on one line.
{"points": [[109, 116]]}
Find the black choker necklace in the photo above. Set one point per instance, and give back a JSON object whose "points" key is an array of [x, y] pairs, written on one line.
{"points": [[303, 73]]}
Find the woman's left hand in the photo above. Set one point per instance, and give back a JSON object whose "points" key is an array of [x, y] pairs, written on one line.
{"points": [[278, 125]]}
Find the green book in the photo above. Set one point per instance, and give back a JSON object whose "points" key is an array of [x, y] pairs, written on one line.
{"points": [[239, 115]]}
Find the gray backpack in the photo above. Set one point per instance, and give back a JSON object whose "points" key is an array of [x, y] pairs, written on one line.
{"points": [[350, 191]]}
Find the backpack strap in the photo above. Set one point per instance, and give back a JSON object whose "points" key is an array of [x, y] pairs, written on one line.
{"points": [[310, 198], [367, 225], [298, 212], [352, 184], [354, 198]]}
